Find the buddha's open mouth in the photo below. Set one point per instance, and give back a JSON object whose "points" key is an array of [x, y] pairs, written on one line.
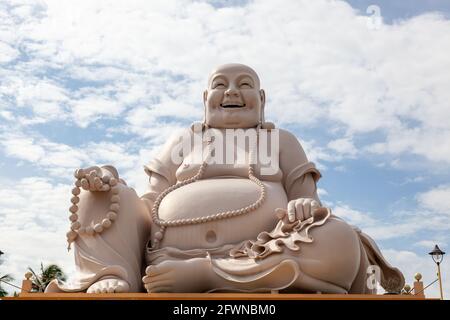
{"points": [[232, 106]]}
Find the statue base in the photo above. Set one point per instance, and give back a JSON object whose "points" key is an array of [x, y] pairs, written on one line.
{"points": [[210, 296]]}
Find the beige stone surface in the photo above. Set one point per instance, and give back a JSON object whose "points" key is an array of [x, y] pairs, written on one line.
{"points": [[206, 226]]}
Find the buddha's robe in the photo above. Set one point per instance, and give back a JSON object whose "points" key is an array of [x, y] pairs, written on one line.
{"points": [[115, 253], [254, 248]]}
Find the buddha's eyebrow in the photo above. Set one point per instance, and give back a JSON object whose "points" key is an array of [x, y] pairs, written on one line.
{"points": [[216, 77], [245, 76]]}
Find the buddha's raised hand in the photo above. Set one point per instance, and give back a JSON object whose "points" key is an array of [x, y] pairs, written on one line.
{"points": [[97, 178], [301, 209]]}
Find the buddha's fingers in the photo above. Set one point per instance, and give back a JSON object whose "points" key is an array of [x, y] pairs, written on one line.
{"points": [[305, 209], [91, 177], [85, 184], [301, 213], [291, 211], [105, 187], [79, 174], [98, 184], [106, 178], [88, 170]]}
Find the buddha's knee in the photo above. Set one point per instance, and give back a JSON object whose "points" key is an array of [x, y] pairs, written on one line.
{"points": [[334, 254]]}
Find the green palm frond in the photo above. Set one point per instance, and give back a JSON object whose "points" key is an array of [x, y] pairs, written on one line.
{"points": [[7, 278], [36, 281], [3, 292], [47, 274], [51, 272]]}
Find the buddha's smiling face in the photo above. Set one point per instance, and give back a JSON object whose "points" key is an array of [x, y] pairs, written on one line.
{"points": [[233, 98]]}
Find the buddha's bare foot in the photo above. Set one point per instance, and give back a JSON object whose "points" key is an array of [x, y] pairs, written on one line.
{"points": [[193, 275], [109, 286]]}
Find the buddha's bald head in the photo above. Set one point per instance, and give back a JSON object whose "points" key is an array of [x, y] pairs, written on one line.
{"points": [[233, 98], [236, 68]]}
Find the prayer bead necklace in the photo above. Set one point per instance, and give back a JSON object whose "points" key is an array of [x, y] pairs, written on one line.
{"points": [[163, 224]]}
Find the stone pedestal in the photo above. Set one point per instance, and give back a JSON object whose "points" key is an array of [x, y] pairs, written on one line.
{"points": [[418, 286], [27, 284]]}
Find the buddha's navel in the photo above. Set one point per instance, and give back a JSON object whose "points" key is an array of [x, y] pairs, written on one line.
{"points": [[211, 236]]}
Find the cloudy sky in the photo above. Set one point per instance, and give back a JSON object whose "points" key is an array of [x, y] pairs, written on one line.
{"points": [[366, 89]]}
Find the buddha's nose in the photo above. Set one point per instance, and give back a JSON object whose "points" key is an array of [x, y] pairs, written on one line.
{"points": [[232, 92]]}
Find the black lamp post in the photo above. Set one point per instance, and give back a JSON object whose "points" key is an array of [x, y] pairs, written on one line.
{"points": [[438, 255]]}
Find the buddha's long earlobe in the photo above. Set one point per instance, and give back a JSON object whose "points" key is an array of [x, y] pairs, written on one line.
{"points": [[262, 95], [263, 104], [205, 97]]}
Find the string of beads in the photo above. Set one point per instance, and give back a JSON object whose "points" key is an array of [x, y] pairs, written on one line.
{"points": [[163, 224], [110, 184], [76, 229]]}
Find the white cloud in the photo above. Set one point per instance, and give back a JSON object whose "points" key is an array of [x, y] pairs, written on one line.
{"points": [[60, 160], [23, 148], [437, 199], [353, 217], [416, 141], [397, 224], [44, 97], [340, 168], [90, 109], [394, 229], [343, 76], [7, 53], [343, 147], [429, 244], [316, 153], [33, 222], [322, 192], [53, 157]]}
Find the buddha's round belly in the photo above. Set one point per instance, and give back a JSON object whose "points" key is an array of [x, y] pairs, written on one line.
{"points": [[207, 197]]}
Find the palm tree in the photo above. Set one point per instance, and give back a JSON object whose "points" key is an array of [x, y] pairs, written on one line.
{"points": [[49, 273], [7, 278]]}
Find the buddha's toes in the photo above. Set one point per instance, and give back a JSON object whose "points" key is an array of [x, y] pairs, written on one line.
{"points": [[109, 286]]}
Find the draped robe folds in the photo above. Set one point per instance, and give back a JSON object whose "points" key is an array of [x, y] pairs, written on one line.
{"points": [[115, 253], [271, 252]]}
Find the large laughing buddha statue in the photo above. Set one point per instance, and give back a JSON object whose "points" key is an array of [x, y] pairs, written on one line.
{"points": [[232, 205]]}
